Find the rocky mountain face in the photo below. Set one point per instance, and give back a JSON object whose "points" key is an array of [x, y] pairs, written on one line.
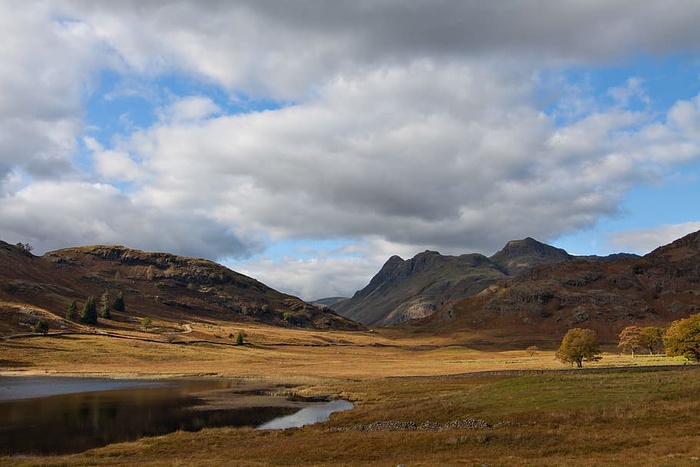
{"points": [[153, 284], [411, 289], [602, 295]]}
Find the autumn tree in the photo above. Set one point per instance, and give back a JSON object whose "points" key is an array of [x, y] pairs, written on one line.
{"points": [[651, 338], [578, 345], [630, 339], [89, 313], [683, 338]]}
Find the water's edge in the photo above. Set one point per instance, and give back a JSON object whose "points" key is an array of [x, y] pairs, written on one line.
{"points": [[50, 415]]}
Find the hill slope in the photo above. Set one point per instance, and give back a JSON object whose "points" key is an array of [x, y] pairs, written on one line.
{"points": [[410, 289], [549, 299], [153, 284]]}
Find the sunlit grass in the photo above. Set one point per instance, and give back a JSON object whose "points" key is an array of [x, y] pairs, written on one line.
{"points": [[633, 416]]}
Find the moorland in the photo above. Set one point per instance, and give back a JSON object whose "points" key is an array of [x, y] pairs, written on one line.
{"points": [[424, 393]]}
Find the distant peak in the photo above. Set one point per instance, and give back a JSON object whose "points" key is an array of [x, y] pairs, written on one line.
{"points": [[518, 255]]}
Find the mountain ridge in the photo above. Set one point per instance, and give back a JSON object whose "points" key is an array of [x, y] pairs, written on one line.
{"points": [[153, 284], [410, 289], [606, 296]]}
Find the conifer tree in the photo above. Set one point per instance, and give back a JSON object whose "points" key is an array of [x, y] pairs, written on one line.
{"points": [[89, 313], [104, 306], [72, 313], [118, 304]]}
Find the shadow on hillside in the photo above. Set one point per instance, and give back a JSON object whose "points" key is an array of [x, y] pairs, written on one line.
{"points": [[6, 364]]}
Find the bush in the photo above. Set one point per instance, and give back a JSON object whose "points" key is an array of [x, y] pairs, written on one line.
{"points": [[41, 327]]}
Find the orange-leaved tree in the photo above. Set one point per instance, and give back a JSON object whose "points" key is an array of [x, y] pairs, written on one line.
{"points": [[634, 338], [630, 339]]}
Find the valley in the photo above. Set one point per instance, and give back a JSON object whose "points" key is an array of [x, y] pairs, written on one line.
{"points": [[463, 386]]}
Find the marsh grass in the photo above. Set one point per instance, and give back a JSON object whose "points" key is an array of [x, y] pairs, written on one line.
{"points": [[629, 416]]}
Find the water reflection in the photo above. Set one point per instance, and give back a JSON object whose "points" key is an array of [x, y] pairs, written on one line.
{"points": [[73, 422], [307, 416]]}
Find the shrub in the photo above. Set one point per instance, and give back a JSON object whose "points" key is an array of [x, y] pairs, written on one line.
{"points": [[42, 327]]}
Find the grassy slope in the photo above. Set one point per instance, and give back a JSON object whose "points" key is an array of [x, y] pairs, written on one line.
{"points": [[635, 417]]}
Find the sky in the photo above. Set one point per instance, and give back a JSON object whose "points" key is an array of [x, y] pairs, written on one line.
{"points": [[304, 143]]}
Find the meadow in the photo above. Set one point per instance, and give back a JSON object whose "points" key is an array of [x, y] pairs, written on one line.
{"points": [[418, 400]]}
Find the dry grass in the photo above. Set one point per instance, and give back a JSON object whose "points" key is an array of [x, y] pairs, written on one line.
{"points": [[631, 417]]}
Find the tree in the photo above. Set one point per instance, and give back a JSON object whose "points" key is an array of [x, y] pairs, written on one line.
{"points": [[42, 327], [118, 304], [635, 338], [683, 338], [89, 313], [72, 313], [239, 338], [104, 306], [630, 339], [578, 345], [651, 338]]}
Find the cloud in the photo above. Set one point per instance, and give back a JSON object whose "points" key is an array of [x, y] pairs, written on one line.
{"points": [[41, 92], [188, 109], [285, 51], [450, 157], [401, 126], [643, 241], [80, 213]]}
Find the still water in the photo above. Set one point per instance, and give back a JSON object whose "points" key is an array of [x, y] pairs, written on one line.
{"points": [[66, 415], [307, 416]]}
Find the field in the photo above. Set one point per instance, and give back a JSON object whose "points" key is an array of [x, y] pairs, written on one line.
{"points": [[418, 400]]}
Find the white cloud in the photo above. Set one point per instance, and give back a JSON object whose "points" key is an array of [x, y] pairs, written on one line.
{"points": [[402, 126], [45, 73], [189, 109], [643, 241]]}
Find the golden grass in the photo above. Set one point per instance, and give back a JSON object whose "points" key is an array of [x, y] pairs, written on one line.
{"points": [[630, 417]]}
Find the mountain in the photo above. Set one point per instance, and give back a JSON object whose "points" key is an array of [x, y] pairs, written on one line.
{"points": [[411, 289], [519, 255], [548, 299], [153, 284]]}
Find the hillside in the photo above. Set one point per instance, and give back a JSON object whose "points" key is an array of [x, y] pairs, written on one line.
{"points": [[411, 289], [548, 299], [156, 285]]}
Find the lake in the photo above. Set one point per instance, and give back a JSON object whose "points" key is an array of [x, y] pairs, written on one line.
{"points": [[52, 415]]}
